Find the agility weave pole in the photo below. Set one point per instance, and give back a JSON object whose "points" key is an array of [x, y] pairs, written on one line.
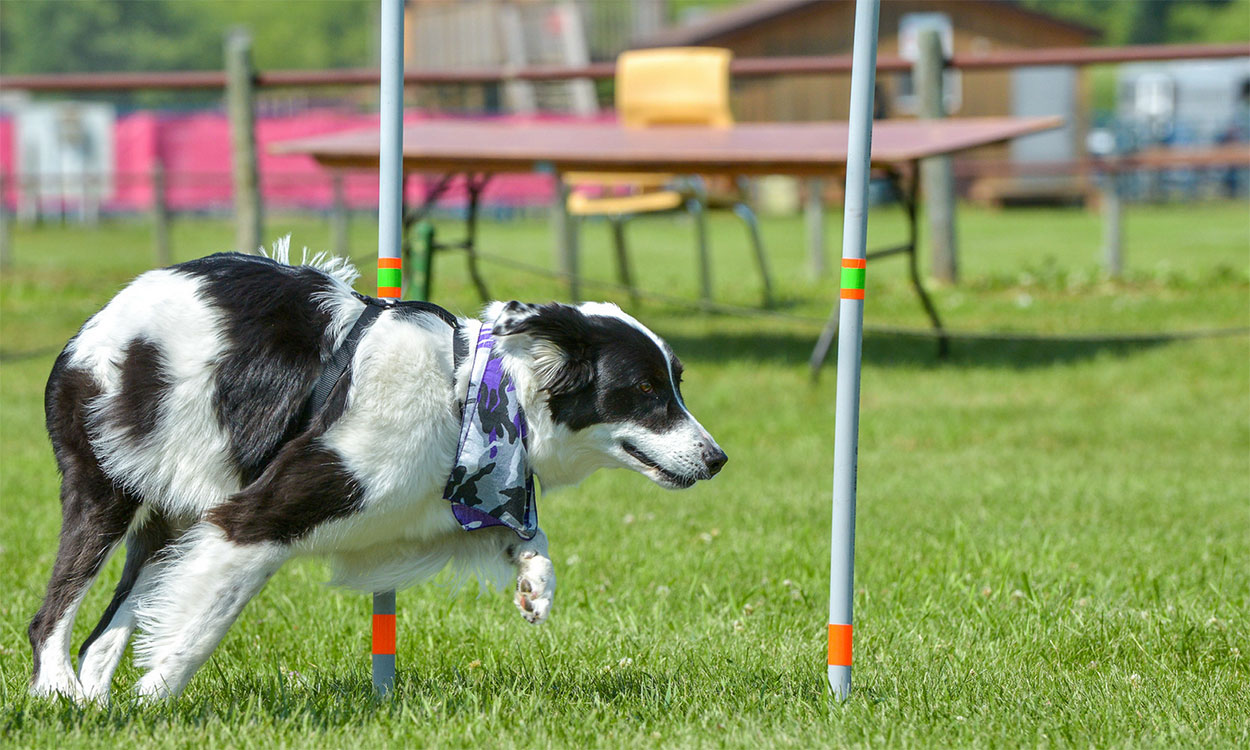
{"points": [[850, 347], [390, 265]]}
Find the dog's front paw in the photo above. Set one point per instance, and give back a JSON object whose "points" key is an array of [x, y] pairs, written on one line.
{"points": [[64, 684], [535, 586]]}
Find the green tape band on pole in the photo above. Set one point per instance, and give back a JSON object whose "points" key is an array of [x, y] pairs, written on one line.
{"points": [[390, 277], [853, 278]]}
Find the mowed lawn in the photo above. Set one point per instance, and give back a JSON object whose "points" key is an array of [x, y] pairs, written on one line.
{"points": [[1053, 535]]}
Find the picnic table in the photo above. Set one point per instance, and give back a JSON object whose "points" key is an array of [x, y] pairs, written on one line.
{"points": [[479, 149]]}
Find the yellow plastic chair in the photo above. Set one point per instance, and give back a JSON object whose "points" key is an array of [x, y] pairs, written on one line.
{"points": [[657, 88]]}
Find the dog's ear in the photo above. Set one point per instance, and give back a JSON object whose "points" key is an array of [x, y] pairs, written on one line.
{"points": [[560, 343], [514, 318]]}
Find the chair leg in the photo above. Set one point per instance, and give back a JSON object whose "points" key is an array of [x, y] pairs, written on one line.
{"points": [[745, 213], [406, 262], [699, 212], [573, 254], [425, 266], [622, 258]]}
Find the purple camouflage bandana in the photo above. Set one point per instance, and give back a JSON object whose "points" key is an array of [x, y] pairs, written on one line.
{"points": [[491, 483]]}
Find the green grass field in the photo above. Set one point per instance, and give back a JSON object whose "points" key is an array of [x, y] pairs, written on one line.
{"points": [[1053, 535]]}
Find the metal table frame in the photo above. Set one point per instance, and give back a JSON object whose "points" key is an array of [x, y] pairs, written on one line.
{"points": [[908, 189], [477, 150], [417, 217], [906, 182]]}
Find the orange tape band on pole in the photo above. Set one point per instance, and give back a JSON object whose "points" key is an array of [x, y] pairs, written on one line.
{"points": [[840, 645], [384, 634]]}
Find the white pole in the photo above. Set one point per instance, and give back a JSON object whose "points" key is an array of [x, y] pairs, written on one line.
{"points": [[390, 265], [850, 333]]}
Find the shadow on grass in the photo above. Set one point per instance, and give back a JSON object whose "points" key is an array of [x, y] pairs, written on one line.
{"points": [[325, 700], [896, 350], [885, 349]]}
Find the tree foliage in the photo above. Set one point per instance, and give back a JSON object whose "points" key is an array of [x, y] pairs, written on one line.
{"points": [[1155, 21], [50, 36]]}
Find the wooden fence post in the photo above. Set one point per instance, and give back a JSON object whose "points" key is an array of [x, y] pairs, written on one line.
{"points": [[815, 211], [1112, 215], [6, 242], [648, 18], [339, 218], [240, 106], [937, 180], [160, 216]]}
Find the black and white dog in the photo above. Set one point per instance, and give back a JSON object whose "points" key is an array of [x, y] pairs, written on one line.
{"points": [[179, 422]]}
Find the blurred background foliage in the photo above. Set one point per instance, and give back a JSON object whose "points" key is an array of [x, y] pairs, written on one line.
{"points": [[54, 36], [50, 36]]}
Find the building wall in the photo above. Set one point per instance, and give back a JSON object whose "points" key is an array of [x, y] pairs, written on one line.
{"points": [[827, 28]]}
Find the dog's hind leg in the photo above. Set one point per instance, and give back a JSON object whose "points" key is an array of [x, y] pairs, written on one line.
{"points": [[95, 513], [102, 651], [94, 518], [195, 599]]}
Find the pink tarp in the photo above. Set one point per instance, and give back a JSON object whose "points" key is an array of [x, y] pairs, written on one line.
{"points": [[195, 150]]}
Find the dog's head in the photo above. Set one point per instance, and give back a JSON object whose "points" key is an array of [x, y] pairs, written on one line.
{"points": [[614, 385]]}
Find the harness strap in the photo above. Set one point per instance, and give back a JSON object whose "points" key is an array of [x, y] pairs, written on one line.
{"points": [[342, 356], [339, 361]]}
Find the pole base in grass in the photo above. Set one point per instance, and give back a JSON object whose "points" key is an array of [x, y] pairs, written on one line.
{"points": [[383, 674], [383, 642], [840, 682]]}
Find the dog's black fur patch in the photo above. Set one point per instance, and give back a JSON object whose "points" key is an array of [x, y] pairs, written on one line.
{"points": [[305, 485], [278, 338], [607, 365], [144, 382]]}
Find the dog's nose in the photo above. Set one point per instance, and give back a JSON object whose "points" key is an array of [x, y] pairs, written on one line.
{"points": [[715, 459]]}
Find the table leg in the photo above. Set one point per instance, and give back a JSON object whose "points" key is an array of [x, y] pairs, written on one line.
{"points": [[824, 343], [910, 201], [909, 198]]}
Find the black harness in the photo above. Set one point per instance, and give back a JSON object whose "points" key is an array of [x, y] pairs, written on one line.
{"points": [[342, 356]]}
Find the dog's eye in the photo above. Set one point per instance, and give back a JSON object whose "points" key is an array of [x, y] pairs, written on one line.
{"points": [[646, 387]]}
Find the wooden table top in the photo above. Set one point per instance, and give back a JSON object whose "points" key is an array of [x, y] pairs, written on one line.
{"points": [[796, 148]]}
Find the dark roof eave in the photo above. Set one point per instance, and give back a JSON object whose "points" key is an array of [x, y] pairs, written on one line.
{"points": [[744, 16], [723, 22]]}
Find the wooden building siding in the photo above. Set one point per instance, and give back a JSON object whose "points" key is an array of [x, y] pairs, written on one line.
{"points": [[826, 28]]}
